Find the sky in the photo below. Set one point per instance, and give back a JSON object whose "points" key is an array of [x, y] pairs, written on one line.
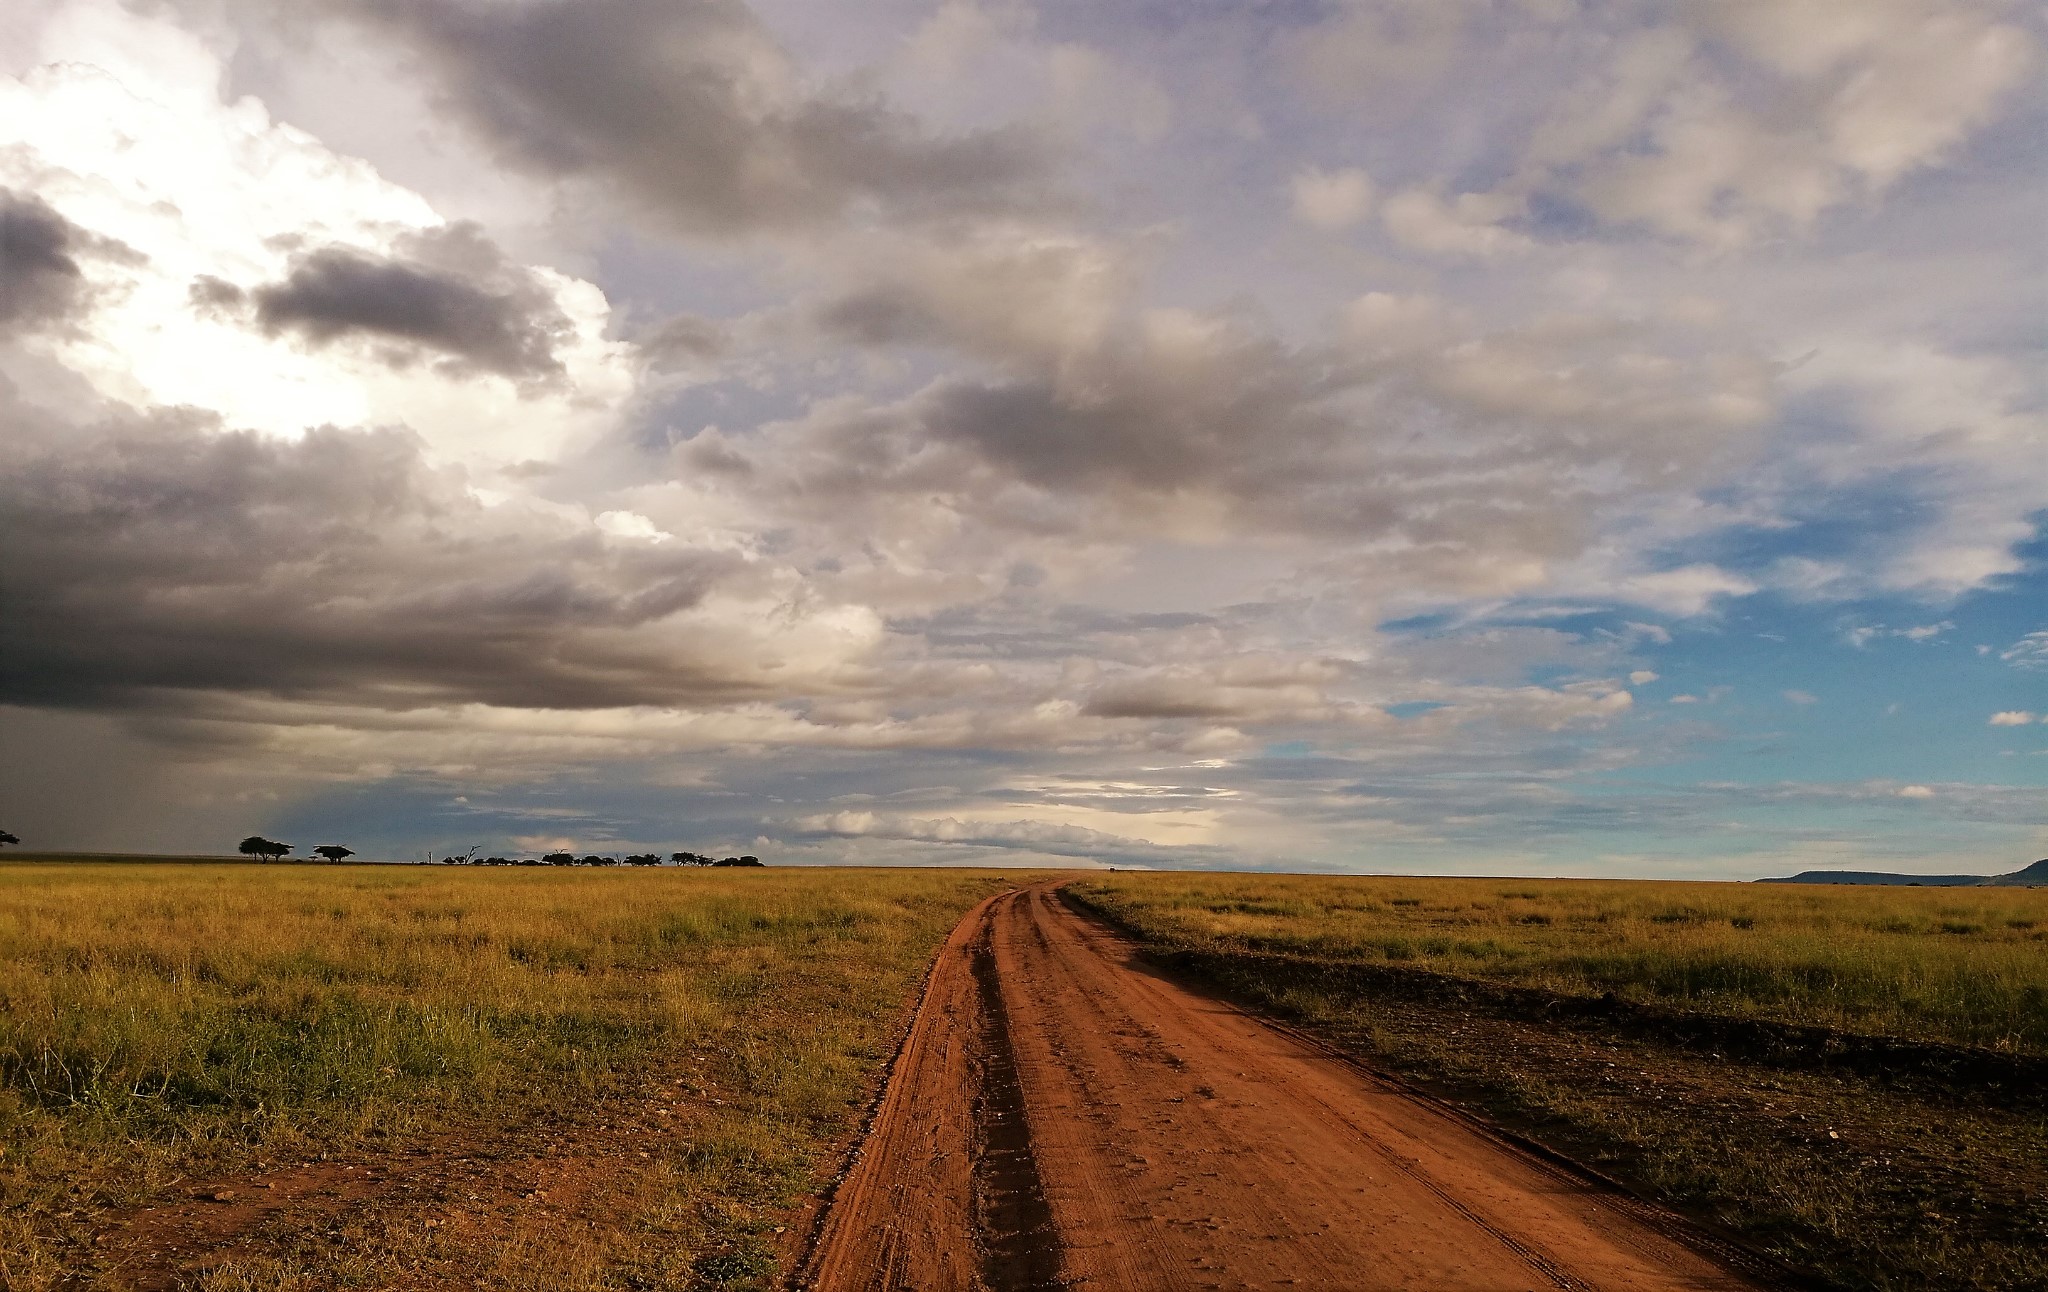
{"points": [[1425, 436]]}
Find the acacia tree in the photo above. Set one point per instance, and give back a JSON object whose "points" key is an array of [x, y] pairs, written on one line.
{"points": [[268, 850], [333, 851], [6, 838]]}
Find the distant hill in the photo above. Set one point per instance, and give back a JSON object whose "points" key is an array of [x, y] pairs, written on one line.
{"points": [[2036, 874]]}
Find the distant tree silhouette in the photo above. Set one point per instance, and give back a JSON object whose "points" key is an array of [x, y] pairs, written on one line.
{"points": [[644, 859], [268, 849], [595, 860], [560, 859], [737, 861], [6, 838], [333, 852]]}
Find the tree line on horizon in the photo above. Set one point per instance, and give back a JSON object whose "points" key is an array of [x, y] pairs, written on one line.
{"points": [[269, 850], [630, 859]]}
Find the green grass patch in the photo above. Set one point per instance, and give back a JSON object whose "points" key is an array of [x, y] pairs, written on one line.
{"points": [[1959, 967]]}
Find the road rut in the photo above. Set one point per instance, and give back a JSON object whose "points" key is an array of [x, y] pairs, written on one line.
{"points": [[1062, 1116]]}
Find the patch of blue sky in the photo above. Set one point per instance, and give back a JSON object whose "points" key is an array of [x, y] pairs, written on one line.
{"points": [[1847, 522], [1290, 749], [1413, 708], [1422, 625], [1875, 689], [1555, 216], [1770, 689]]}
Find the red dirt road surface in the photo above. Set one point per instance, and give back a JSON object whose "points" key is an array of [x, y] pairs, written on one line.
{"points": [[1063, 1116]]}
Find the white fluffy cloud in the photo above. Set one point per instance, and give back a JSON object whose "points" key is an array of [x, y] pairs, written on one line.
{"points": [[123, 130], [1736, 119]]}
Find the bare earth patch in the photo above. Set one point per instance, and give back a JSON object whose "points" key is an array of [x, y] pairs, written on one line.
{"points": [[1064, 1116]]}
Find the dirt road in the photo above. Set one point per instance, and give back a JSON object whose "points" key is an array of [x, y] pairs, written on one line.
{"points": [[1063, 1117]]}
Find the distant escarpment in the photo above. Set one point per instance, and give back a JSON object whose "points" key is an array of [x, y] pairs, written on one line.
{"points": [[2033, 876]]}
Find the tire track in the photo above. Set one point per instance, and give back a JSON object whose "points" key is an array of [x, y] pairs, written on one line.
{"points": [[1013, 1226], [1064, 1117]]}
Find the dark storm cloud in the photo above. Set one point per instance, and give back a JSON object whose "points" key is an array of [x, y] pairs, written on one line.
{"points": [[161, 556], [446, 292], [41, 282], [690, 107]]}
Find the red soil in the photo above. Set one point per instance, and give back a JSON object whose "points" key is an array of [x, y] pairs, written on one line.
{"points": [[1063, 1116]]}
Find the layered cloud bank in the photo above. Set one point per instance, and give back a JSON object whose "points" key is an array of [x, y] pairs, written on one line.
{"points": [[1007, 432]]}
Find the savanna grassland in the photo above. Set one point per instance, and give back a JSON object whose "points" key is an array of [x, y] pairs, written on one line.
{"points": [[1852, 1079], [242, 1077]]}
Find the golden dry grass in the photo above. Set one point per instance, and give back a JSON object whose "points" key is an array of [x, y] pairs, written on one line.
{"points": [[158, 1023]]}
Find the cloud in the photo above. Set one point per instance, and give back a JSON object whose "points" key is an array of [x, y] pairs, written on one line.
{"points": [[1468, 225], [2029, 652], [1018, 293], [160, 556], [1374, 53], [685, 340], [1915, 792], [1466, 459], [1801, 698], [1053, 838], [446, 292], [1913, 405], [1733, 120], [694, 111], [1862, 635], [42, 286], [1332, 200], [742, 423], [2011, 718], [1249, 690], [125, 133]]}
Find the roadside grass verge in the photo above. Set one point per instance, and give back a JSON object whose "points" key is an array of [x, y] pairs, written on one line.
{"points": [[1888, 1133], [166, 1025]]}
